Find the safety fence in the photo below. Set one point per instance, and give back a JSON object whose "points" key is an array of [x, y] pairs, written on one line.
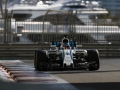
{"points": [[26, 51], [19, 37], [84, 29], [33, 31]]}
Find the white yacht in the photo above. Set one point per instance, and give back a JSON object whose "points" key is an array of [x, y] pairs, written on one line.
{"points": [[32, 31], [35, 10]]}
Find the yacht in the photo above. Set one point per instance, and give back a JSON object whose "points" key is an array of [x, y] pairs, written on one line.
{"points": [[32, 31], [24, 10]]}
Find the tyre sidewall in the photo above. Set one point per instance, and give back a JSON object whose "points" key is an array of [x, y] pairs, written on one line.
{"points": [[93, 55]]}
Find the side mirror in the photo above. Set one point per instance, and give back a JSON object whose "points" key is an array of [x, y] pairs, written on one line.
{"points": [[78, 45], [52, 46]]}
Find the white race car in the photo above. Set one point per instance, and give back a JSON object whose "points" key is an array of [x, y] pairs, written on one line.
{"points": [[66, 55]]}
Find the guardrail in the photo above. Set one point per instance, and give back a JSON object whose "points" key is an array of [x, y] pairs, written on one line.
{"points": [[105, 50], [26, 51]]}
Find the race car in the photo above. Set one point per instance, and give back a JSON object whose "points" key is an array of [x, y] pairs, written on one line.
{"points": [[66, 54]]}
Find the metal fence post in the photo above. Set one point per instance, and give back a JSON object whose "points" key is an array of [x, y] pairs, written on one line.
{"points": [[70, 22], [74, 27], [5, 24], [43, 25], [97, 25], [7, 32], [56, 25], [11, 16]]}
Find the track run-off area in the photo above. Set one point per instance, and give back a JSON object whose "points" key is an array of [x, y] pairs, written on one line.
{"points": [[22, 74]]}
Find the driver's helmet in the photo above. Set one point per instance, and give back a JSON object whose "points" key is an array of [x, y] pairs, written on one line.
{"points": [[66, 46]]}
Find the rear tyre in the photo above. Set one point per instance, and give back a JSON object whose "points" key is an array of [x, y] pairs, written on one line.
{"points": [[93, 59], [40, 60]]}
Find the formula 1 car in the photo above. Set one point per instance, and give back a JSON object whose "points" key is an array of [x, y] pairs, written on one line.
{"points": [[66, 54]]}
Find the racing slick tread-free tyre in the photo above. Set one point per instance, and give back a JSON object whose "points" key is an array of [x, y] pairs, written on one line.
{"points": [[40, 58], [93, 56]]}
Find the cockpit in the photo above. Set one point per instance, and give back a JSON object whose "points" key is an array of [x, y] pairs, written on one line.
{"points": [[66, 46], [65, 43]]}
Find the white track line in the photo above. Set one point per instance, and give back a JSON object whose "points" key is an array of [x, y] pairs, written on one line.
{"points": [[7, 77]]}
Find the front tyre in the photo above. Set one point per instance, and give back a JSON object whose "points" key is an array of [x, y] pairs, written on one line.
{"points": [[93, 60], [40, 60]]}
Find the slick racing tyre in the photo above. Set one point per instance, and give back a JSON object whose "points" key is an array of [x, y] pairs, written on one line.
{"points": [[93, 60], [40, 60]]}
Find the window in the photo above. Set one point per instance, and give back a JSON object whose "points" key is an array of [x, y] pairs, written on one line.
{"points": [[76, 6]]}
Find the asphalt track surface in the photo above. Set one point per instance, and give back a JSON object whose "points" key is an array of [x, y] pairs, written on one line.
{"points": [[106, 78]]}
